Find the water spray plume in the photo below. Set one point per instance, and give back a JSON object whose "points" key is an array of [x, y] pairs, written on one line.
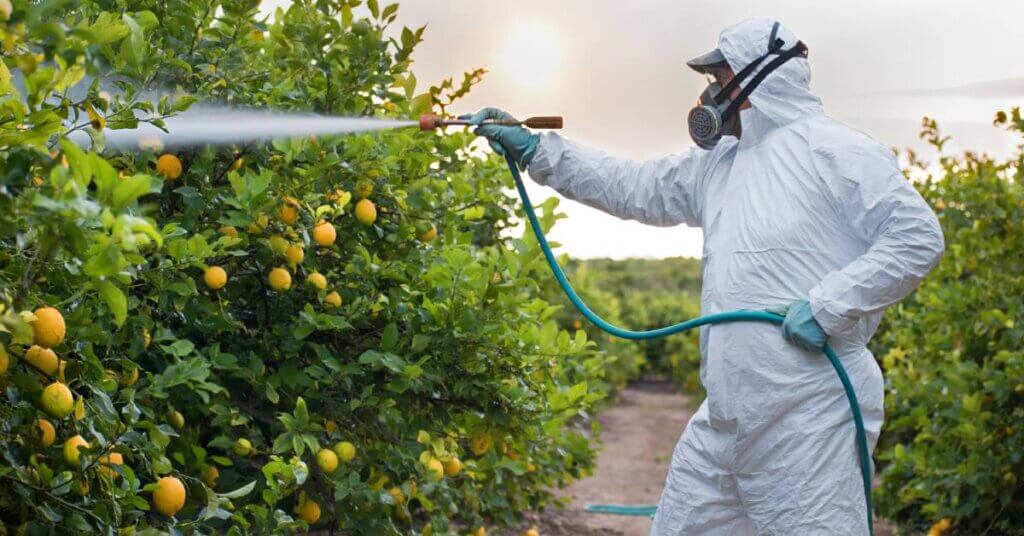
{"points": [[206, 125], [225, 126]]}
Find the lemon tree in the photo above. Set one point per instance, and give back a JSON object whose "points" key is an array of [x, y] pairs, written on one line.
{"points": [[334, 331], [952, 443]]}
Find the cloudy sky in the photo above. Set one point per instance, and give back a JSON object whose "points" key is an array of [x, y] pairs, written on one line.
{"points": [[614, 69]]}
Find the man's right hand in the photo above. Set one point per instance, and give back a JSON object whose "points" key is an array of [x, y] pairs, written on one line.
{"points": [[520, 142]]}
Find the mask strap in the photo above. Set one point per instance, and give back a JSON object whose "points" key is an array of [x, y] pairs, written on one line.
{"points": [[799, 49], [774, 45], [727, 90]]}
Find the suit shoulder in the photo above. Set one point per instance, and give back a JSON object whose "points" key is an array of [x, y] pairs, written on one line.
{"points": [[841, 151], [832, 138]]}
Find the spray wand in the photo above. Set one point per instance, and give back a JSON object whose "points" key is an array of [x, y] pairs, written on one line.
{"points": [[431, 122]]}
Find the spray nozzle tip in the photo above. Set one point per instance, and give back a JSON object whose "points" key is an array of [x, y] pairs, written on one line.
{"points": [[428, 122]]}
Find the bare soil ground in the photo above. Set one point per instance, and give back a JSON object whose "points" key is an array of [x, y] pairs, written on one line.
{"points": [[638, 434]]}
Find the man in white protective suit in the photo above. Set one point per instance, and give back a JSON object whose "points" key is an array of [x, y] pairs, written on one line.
{"points": [[797, 210]]}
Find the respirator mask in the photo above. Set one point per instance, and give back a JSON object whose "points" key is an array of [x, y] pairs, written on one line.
{"points": [[717, 113]]}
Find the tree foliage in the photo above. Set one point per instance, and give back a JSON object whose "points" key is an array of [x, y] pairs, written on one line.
{"points": [[641, 294], [416, 350], [952, 448]]}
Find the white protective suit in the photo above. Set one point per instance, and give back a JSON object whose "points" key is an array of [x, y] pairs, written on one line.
{"points": [[800, 207]]}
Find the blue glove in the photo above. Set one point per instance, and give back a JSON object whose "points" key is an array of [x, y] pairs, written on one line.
{"points": [[521, 143], [801, 329]]}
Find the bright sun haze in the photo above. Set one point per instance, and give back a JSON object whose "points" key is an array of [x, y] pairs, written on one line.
{"points": [[530, 56]]}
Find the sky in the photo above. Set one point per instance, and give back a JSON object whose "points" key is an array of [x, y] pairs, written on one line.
{"points": [[615, 70]]}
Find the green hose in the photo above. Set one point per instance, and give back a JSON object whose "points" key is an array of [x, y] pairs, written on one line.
{"points": [[731, 316]]}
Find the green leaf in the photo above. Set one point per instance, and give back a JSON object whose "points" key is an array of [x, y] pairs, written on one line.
{"points": [[421, 104], [473, 213], [179, 348], [130, 189], [115, 300], [389, 361], [241, 492], [389, 338], [78, 161], [420, 342]]}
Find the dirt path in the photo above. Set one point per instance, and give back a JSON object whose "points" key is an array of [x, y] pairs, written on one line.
{"points": [[638, 434]]}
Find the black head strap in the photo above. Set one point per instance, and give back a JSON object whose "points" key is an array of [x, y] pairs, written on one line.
{"points": [[799, 49], [774, 45]]}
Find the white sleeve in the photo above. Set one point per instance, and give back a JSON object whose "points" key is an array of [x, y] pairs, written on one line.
{"points": [[663, 192], [885, 210]]}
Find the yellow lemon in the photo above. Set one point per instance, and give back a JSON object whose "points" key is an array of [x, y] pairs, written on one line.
{"points": [[480, 531], [229, 230], [169, 166], [5, 360], [114, 458], [47, 433], [330, 426], [317, 280], [237, 164], [327, 460], [309, 511], [71, 446], [43, 359], [176, 419], [294, 254], [332, 300], [260, 224], [398, 495], [242, 446], [531, 532], [436, 469], [324, 233], [345, 450], [215, 277], [57, 400], [210, 475], [288, 212], [452, 467], [129, 377], [940, 527], [280, 279], [364, 189], [169, 495], [366, 212], [481, 443], [429, 234], [379, 484], [6, 8], [49, 328]]}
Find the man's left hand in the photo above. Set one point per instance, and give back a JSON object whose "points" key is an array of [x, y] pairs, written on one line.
{"points": [[801, 329]]}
